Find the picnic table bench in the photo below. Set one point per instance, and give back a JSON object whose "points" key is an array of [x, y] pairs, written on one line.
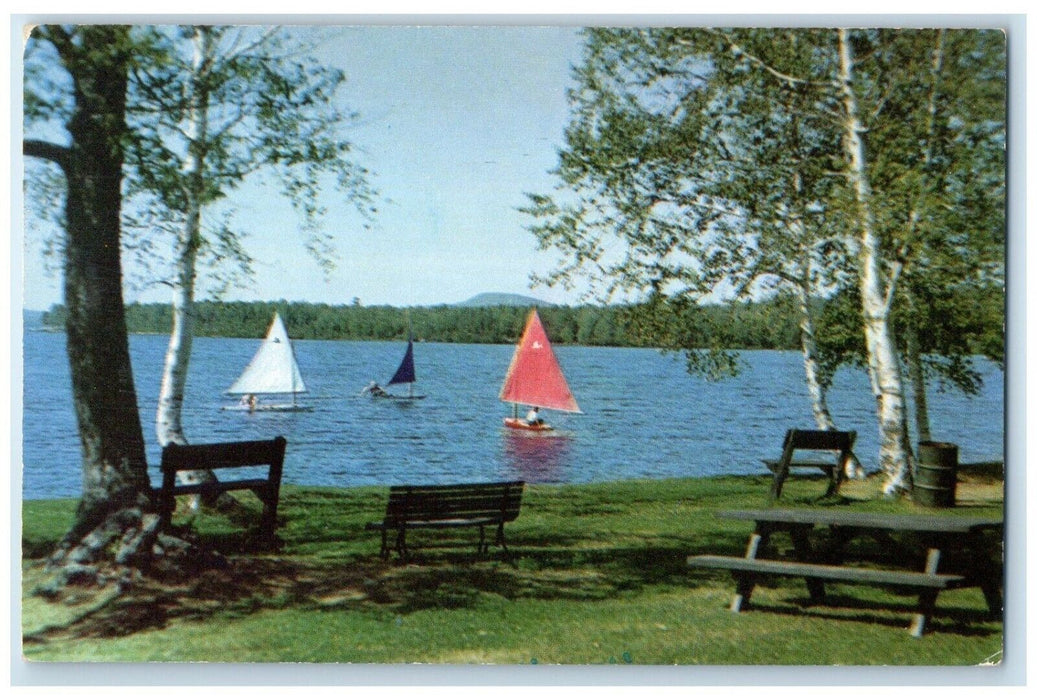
{"points": [[481, 505], [224, 455], [835, 446], [964, 538]]}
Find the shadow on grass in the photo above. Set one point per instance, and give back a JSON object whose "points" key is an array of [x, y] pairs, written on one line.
{"points": [[450, 578], [968, 622], [326, 561]]}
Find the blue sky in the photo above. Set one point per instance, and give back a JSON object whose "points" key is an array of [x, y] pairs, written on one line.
{"points": [[456, 124]]}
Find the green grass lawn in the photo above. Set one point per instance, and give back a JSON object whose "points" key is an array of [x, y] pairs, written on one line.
{"points": [[597, 576]]}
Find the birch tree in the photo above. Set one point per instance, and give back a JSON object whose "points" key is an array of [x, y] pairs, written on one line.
{"points": [[939, 172], [741, 158], [946, 206], [895, 456], [217, 105], [710, 177]]}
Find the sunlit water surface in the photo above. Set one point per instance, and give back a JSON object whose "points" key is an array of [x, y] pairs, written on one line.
{"points": [[643, 415]]}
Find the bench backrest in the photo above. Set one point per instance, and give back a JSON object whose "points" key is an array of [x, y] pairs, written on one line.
{"points": [[835, 440], [497, 500], [220, 455]]}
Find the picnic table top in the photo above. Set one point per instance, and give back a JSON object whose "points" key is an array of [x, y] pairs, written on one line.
{"points": [[882, 521]]}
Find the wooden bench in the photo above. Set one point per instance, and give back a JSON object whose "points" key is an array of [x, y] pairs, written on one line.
{"points": [[796, 440], [224, 455], [747, 571], [460, 505]]}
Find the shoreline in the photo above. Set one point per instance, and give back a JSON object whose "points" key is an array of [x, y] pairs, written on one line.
{"points": [[987, 473]]}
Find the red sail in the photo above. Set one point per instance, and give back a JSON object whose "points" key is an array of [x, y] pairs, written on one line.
{"points": [[534, 377]]}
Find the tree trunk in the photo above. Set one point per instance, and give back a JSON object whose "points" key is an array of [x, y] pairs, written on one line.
{"points": [[168, 424], [815, 387], [917, 375], [168, 416], [914, 353], [116, 497], [895, 457]]}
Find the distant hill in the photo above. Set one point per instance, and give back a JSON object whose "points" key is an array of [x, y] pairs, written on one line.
{"points": [[500, 299]]}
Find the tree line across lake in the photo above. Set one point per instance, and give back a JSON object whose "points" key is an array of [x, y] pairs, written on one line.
{"points": [[741, 325], [770, 324]]}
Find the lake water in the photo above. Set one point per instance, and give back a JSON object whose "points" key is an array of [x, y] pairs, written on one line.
{"points": [[644, 416]]}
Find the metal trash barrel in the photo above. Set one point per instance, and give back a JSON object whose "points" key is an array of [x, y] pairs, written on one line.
{"points": [[936, 474]]}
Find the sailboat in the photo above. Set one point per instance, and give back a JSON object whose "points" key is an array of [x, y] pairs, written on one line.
{"points": [[404, 375], [535, 378], [273, 370]]}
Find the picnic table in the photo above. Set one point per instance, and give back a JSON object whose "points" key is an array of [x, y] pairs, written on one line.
{"points": [[921, 553]]}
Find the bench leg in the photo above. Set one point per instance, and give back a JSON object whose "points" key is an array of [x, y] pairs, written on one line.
{"points": [[401, 542], [992, 594], [779, 480], [834, 475], [268, 522], [986, 571], [483, 547], [384, 552], [805, 552], [926, 607], [500, 539], [745, 582]]}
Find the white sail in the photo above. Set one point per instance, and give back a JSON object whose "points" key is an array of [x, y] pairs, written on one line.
{"points": [[273, 370]]}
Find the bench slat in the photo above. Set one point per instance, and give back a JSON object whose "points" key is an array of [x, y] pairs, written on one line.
{"points": [[432, 524], [221, 455], [430, 510], [439, 488], [913, 579], [775, 464], [885, 521]]}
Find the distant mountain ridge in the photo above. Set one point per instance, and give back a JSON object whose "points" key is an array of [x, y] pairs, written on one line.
{"points": [[502, 299]]}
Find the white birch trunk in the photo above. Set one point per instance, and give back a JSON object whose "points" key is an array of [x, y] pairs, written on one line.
{"points": [[168, 425], [816, 390], [818, 397], [895, 459]]}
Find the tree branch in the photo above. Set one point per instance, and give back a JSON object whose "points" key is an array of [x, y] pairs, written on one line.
{"points": [[47, 151], [737, 50]]}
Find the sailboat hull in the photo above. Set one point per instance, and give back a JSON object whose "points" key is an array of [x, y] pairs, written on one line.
{"points": [[270, 408], [519, 424], [393, 397]]}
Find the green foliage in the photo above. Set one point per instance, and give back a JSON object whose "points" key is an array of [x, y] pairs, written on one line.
{"points": [[701, 161], [271, 109], [763, 325]]}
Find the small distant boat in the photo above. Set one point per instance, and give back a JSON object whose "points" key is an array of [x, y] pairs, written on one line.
{"points": [[404, 375], [273, 370], [535, 378]]}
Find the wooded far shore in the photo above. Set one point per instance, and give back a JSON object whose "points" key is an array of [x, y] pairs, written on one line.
{"points": [[765, 325]]}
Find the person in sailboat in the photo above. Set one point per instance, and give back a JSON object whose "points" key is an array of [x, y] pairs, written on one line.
{"points": [[249, 400], [533, 417], [374, 390]]}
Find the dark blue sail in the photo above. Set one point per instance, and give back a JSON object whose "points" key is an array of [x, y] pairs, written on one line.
{"points": [[405, 373]]}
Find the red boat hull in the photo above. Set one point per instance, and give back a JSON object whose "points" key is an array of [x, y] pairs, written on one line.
{"points": [[519, 424]]}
